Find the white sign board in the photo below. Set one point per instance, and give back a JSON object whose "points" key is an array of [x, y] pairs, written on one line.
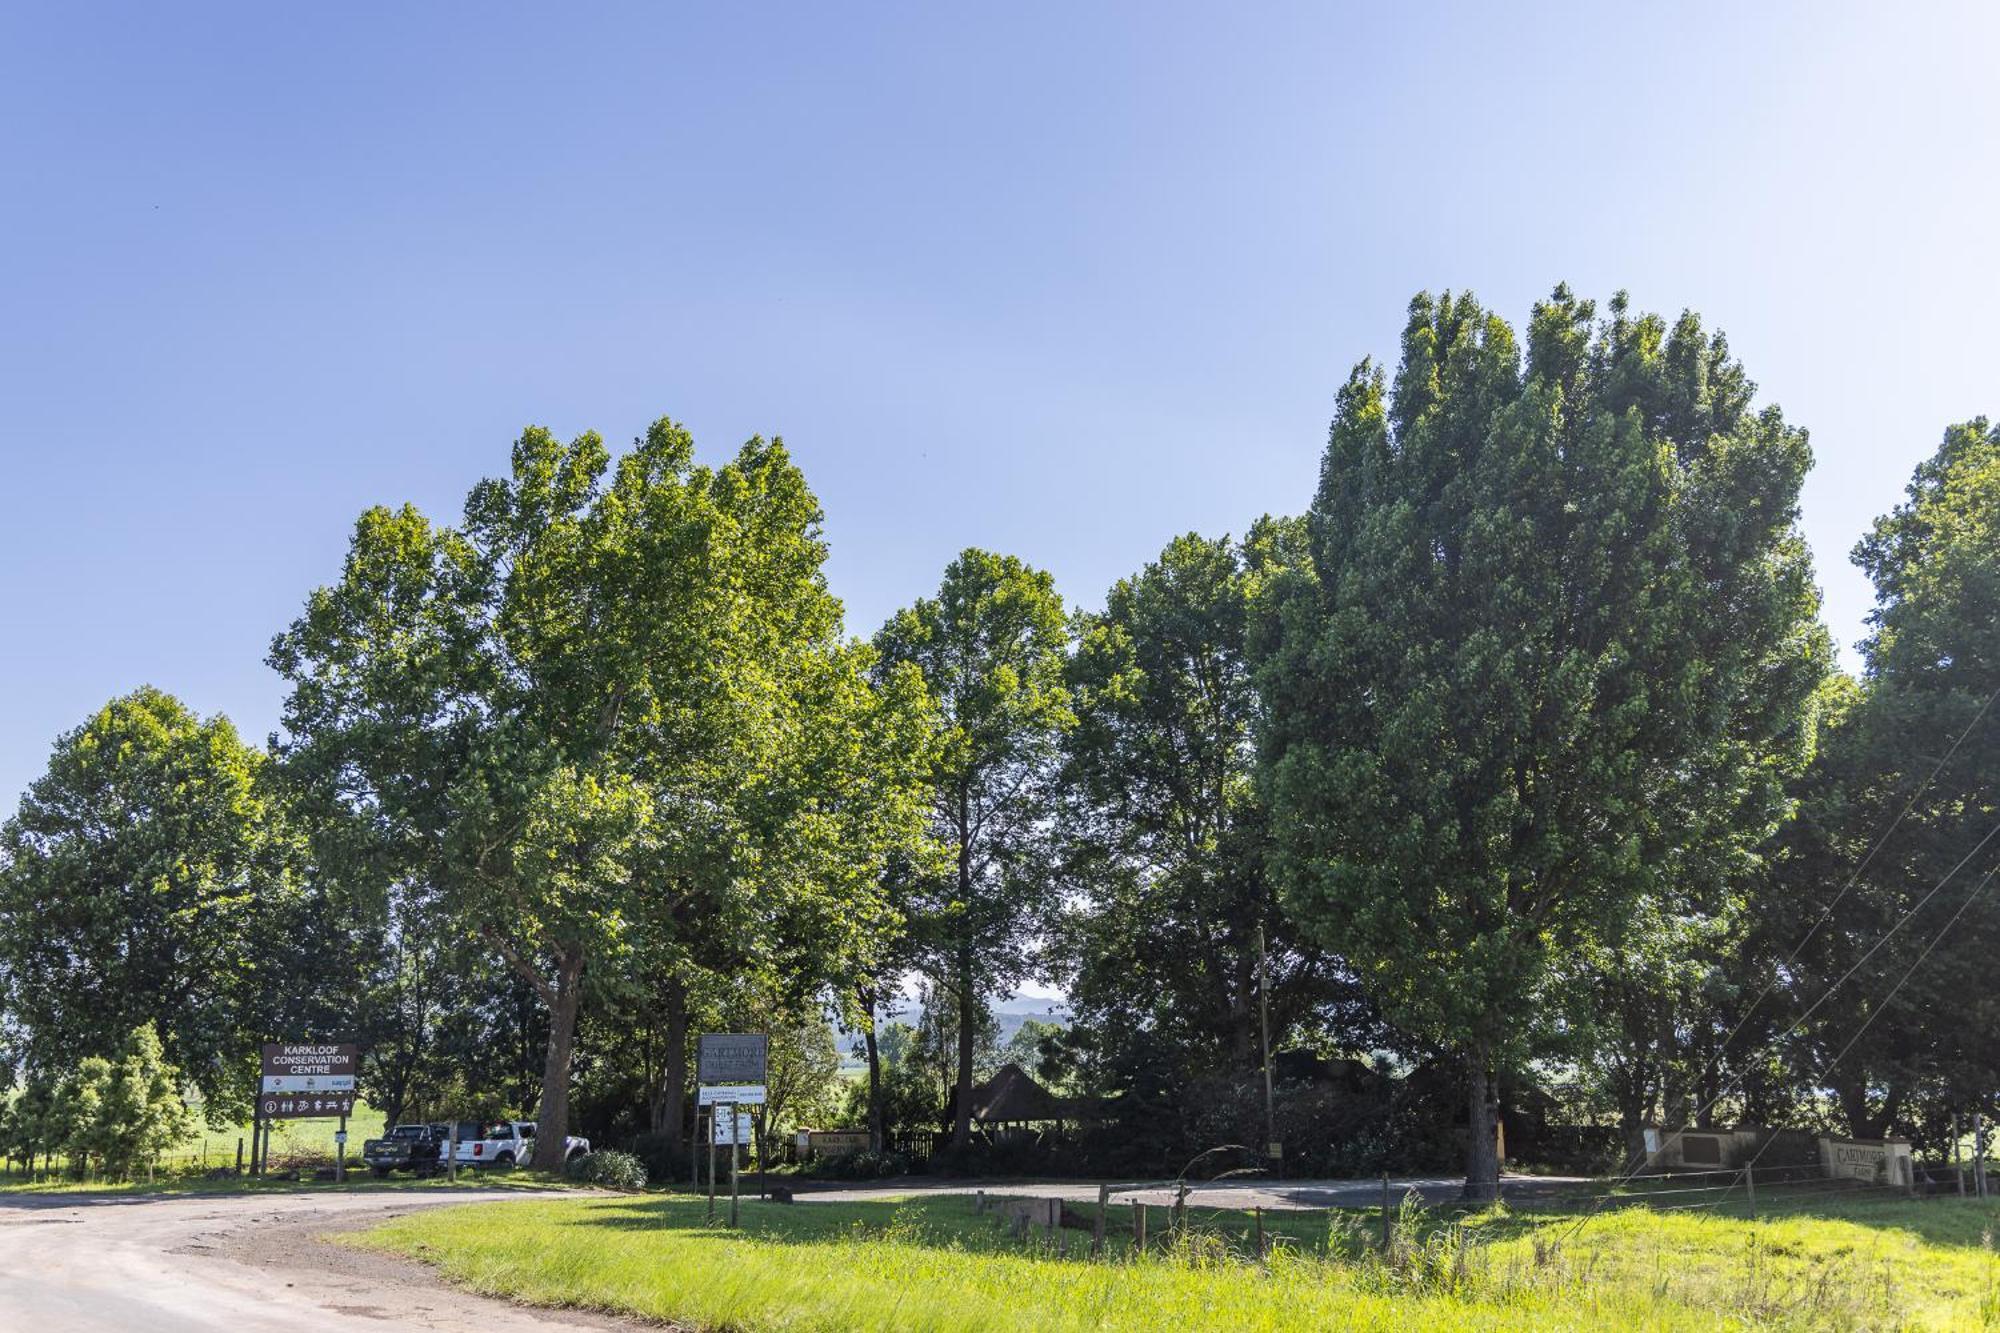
{"points": [[742, 1094], [742, 1132], [309, 1083]]}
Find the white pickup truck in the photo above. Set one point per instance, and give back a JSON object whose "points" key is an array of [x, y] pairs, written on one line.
{"points": [[508, 1142]]}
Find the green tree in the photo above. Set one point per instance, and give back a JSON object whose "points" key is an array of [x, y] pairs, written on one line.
{"points": [[1908, 764], [140, 880], [605, 720], [128, 1109], [991, 650], [1166, 834], [1555, 637]]}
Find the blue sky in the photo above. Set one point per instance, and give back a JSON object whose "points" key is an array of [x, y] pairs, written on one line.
{"points": [[1061, 280]]}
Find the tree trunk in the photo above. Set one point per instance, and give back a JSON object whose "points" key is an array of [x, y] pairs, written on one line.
{"points": [[552, 1126], [1482, 1157], [968, 1033], [877, 1128], [671, 1115]]}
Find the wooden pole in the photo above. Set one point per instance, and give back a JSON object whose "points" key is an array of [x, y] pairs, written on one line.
{"points": [[1138, 1228], [1259, 1214], [1097, 1232], [340, 1152], [1264, 1033], [735, 1165], [451, 1152], [1385, 1212], [1750, 1190], [239, 1157], [711, 1159]]}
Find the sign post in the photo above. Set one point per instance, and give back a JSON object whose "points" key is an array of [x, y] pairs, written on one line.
{"points": [[741, 1061], [302, 1081]]}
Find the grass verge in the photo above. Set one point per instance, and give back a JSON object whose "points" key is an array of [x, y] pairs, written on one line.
{"points": [[933, 1263]]}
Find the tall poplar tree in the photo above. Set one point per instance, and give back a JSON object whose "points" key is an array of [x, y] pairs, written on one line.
{"points": [[990, 647], [1556, 624]]}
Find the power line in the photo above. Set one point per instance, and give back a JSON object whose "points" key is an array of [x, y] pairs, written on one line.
{"points": [[1876, 1012], [1826, 913], [1828, 994]]}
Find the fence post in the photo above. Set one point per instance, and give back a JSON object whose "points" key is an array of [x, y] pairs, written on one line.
{"points": [[1258, 1212], [1179, 1223], [1979, 1153], [1139, 1228], [1097, 1232], [1385, 1212], [711, 1160], [1750, 1190], [451, 1152], [239, 1156]]}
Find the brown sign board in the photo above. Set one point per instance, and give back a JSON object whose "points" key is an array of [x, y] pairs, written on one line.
{"points": [[308, 1057], [733, 1057], [836, 1142], [305, 1105]]}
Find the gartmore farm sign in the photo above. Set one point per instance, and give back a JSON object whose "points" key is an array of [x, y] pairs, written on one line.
{"points": [[733, 1057]]}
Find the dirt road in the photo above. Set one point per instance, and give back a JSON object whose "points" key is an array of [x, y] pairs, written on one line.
{"points": [[245, 1263]]}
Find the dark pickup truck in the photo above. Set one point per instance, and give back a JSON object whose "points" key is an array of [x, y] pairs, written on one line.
{"points": [[418, 1148]]}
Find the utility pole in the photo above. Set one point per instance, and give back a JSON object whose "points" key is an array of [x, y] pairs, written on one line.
{"points": [[1264, 1028]]}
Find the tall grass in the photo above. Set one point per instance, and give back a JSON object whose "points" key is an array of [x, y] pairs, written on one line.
{"points": [[935, 1264]]}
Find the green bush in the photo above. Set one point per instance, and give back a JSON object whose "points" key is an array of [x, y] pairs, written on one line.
{"points": [[859, 1166], [614, 1170]]}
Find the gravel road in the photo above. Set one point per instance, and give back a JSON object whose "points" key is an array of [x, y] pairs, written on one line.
{"points": [[246, 1263]]}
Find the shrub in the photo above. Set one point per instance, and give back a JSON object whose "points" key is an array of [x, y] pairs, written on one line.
{"points": [[860, 1166], [613, 1170]]}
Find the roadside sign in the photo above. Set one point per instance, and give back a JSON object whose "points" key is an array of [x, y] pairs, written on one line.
{"points": [[308, 1083], [743, 1128], [733, 1057], [305, 1106], [293, 1058], [339, 1136], [743, 1094], [304, 1079], [834, 1142]]}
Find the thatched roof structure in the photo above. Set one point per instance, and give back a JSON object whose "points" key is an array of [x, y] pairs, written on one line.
{"points": [[1010, 1097]]}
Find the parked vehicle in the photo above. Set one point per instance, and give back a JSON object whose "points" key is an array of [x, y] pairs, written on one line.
{"points": [[418, 1148], [510, 1143]]}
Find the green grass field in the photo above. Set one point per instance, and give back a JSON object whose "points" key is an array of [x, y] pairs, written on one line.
{"points": [[934, 1263]]}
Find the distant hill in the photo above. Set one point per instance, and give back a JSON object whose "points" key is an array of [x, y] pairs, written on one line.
{"points": [[1011, 1013]]}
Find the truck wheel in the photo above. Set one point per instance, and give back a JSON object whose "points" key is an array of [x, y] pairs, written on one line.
{"points": [[504, 1159], [574, 1153], [379, 1172]]}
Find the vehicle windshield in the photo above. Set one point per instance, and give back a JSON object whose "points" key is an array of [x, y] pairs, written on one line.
{"points": [[502, 1130], [409, 1131]]}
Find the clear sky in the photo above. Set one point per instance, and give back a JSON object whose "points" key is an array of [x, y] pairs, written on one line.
{"points": [[1062, 280]]}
